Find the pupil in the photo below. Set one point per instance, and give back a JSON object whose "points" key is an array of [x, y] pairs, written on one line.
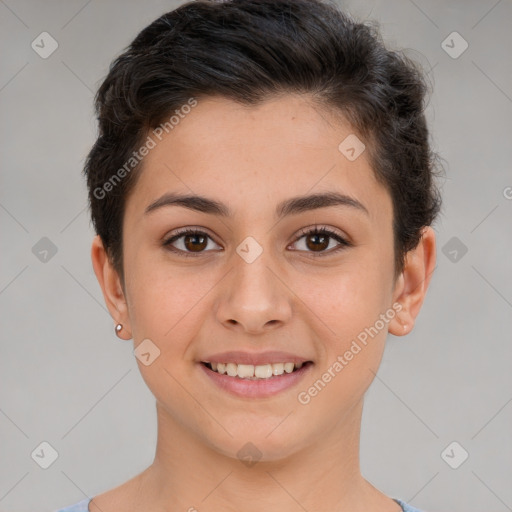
{"points": [[316, 237], [192, 246]]}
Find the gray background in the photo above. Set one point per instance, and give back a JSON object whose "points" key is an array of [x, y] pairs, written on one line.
{"points": [[67, 380]]}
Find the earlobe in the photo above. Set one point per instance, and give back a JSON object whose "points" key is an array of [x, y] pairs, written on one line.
{"points": [[110, 284], [411, 286]]}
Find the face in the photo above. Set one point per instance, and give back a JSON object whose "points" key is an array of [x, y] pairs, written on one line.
{"points": [[258, 280]]}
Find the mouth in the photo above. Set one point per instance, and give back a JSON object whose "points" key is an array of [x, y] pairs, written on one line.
{"points": [[254, 372], [255, 381]]}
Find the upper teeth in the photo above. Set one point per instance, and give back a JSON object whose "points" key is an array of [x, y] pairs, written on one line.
{"points": [[261, 371]]}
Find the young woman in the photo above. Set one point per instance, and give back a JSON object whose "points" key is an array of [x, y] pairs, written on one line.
{"points": [[262, 189]]}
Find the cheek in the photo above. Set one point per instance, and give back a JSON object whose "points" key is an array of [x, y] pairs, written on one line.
{"points": [[163, 305], [347, 308], [168, 306], [345, 301], [160, 294]]}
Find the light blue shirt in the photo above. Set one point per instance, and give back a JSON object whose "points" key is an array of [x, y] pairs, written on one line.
{"points": [[83, 506]]}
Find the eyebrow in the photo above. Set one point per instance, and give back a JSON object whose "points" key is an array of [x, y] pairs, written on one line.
{"points": [[290, 206]]}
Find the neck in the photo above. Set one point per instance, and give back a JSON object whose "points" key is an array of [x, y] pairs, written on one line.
{"points": [[189, 475]]}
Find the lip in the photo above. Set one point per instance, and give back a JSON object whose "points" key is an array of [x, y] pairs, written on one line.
{"points": [[262, 388], [255, 358]]}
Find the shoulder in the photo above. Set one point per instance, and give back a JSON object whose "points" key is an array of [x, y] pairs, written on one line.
{"points": [[406, 507], [81, 506]]}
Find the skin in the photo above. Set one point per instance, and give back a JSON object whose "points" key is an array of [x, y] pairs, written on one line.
{"points": [[251, 158]]}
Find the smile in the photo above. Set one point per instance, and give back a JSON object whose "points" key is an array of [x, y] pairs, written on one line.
{"points": [[255, 381], [250, 371]]}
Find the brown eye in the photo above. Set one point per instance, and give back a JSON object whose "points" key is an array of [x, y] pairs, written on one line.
{"points": [[317, 240], [191, 241], [194, 242]]}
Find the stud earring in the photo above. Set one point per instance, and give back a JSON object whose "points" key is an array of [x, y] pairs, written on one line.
{"points": [[118, 329]]}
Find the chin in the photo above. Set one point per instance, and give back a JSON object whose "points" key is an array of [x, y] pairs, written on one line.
{"points": [[264, 442]]}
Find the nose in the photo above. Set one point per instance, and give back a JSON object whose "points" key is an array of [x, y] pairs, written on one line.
{"points": [[254, 298]]}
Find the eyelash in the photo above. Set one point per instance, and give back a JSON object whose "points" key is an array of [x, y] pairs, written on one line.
{"points": [[314, 231]]}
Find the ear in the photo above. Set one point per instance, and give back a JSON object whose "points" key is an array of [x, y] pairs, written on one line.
{"points": [[411, 286], [111, 287]]}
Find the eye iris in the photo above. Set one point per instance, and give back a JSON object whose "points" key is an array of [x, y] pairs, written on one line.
{"points": [[194, 236], [317, 236]]}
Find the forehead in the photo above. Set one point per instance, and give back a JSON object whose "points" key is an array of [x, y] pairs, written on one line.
{"points": [[255, 155]]}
